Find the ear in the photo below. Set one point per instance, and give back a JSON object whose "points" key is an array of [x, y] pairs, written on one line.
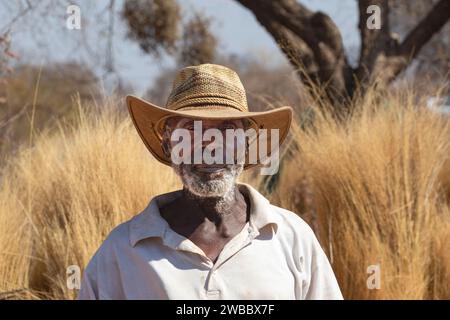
{"points": [[165, 146]]}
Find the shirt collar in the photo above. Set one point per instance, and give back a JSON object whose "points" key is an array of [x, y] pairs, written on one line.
{"points": [[149, 223]]}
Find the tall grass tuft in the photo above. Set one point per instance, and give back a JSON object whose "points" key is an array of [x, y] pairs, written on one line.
{"points": [[373, 188], [375, 195], [60, 198]]}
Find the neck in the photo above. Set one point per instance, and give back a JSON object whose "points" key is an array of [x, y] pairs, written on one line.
{"points": [[217, 208]]}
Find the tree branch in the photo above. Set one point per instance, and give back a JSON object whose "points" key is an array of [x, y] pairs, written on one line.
{"points": [[295, 50], [399, 58], [315, 39], [424, 31], [373, 41], [315, 31], [22, 13]]}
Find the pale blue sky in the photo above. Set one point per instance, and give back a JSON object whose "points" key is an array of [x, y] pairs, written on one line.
{"points": [[42, 40]]}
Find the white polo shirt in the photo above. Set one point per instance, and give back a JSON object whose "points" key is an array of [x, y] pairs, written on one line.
{"points": [[275, 256]]}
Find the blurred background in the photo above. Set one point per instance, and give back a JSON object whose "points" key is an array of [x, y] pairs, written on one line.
{"points": [[366, 164]]}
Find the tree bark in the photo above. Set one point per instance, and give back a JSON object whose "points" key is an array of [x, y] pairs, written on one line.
{"points": [[314, 37], [423, 32], [373, 41], [312, 43]]}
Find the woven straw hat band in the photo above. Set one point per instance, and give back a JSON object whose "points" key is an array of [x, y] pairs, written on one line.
{"points": [[207, 85]]}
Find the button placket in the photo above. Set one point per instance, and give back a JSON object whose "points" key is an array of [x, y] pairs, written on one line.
{"points": [[211, 286], [232, 248], [213, 294], [243, 240]]}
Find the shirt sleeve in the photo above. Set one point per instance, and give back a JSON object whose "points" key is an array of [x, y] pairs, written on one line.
{"points": [[88, 289], [323, 284], [101, 278]]}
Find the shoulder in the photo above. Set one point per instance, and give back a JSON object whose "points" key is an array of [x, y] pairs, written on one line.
{"points": [[291, 222], [116, 240], [101, 273], [120, 235], [296, 232]]}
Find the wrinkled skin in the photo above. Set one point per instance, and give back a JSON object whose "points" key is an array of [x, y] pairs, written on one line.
{"points": [[211, 210]]}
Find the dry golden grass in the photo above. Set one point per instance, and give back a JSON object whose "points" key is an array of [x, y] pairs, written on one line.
{"points": [[374, 195], [369, 188], [60, 198]]}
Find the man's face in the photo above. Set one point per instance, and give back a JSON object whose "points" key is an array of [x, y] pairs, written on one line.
{"points": [[205, 180]]}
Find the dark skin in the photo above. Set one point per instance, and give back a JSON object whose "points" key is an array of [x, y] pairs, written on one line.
{"points": [[200, 219], [203, 224]]}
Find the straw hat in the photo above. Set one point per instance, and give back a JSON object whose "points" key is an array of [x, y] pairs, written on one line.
{"points": [[205, 91]]}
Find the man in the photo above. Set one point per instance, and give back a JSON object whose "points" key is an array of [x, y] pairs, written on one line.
{"points": [[216, 238]]}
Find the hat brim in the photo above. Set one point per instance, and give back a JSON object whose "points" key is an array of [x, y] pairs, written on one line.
{"points": [[147, 118]]}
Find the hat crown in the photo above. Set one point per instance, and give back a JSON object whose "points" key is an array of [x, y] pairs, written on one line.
{"points": [[207, 85]]}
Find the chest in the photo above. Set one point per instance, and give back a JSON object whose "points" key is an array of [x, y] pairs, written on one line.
{"points": [[210, 238], [247, 273], [211, 244]]}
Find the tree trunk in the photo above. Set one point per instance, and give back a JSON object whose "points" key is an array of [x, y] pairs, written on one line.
{"points": [[313, 45]]}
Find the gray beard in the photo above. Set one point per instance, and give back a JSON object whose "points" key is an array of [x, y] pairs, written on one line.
{"points": [[202, 186]]}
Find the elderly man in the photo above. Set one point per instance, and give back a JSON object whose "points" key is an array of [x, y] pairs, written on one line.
{"points": [[216, 238]]}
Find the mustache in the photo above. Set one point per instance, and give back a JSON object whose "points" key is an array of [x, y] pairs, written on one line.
{"points": [[215, 169], [194, 167]]}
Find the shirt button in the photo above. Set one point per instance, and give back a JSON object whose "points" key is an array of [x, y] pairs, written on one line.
{"points": [[213, 293]]}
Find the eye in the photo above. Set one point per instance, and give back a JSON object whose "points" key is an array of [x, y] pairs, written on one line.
{"points": [[189, 126], [227, 126]]}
